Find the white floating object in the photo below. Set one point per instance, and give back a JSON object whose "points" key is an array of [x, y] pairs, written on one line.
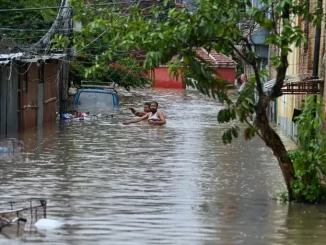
{"points": [[48, 224]]}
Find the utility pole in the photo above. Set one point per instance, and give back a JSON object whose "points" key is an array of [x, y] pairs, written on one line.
{"points": [[319, 11], [64, 76]]}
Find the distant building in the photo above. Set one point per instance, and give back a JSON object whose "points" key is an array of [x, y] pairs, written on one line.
{"points": [[224, 66]]}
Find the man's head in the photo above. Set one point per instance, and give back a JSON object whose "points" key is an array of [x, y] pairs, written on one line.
{"points": [[244, 78], [147, 107], [154, 106]]}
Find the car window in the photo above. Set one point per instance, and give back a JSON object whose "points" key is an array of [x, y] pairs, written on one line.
{"points": [[95, 100]]}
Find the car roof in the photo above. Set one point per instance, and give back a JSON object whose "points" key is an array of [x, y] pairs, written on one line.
{"points": [[92, 90]]}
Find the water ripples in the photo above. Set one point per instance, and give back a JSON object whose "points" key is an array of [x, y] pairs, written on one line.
{"points": [[139, 184]]}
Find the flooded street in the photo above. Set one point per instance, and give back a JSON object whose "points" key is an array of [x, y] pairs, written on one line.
{"points": [[141, 184]]}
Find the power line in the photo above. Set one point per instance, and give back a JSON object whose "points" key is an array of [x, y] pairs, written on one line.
{"points": [[23, 30], [30, 9], [95, 39], [62, 7], [33, 30]]}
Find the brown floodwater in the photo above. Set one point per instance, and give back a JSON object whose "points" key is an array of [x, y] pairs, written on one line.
{"points": [[142, 184]]}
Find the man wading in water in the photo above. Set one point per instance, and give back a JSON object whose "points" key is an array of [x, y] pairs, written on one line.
{"points": [[154, 117]]}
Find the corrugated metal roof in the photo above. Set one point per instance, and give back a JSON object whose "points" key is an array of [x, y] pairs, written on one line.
{"points": [[288, 79], [297, 84], [212, 57], [6, 58], [216, 59], [35, 58]]}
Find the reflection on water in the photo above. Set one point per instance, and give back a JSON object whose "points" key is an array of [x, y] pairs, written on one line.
{"points": [[141, 184]]}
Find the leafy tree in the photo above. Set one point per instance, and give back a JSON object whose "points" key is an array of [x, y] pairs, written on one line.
{"points": [[92, 62], [24, 28], [310, 159], [166, 34], [124, 71]]}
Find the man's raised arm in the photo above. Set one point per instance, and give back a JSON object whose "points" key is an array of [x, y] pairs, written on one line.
{"points": [[137, 119]]}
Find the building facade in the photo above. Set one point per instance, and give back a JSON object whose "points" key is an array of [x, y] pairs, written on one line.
{"points": [[307, 67]]}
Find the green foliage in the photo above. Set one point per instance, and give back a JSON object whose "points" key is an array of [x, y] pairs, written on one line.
{"points": [[282, 197], [226, 115], [24, 26], [99, 57], [310, 158], [124, 71], [242, 110], [229, 134]]}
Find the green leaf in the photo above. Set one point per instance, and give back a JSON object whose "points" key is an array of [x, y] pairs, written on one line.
{"points": [[235, 132]]}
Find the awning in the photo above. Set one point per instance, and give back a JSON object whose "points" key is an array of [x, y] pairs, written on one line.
{"points": [[35, 58], [298, 84], [6, 58]]}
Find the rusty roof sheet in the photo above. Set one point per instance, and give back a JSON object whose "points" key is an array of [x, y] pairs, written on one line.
{"points": [[212, 57], [216, 59]]}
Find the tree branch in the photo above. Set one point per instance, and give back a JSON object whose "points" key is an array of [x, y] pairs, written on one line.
{"points": [[281, 69], [239, 53], [250, 125], [253, 63]]}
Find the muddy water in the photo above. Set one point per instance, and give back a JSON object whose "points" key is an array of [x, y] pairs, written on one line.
{"points": [[141, 184]]}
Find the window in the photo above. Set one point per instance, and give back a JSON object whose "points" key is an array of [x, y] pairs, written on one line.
{"points": [[95, 100]]}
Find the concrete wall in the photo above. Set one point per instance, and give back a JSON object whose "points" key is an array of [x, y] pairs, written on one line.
{"points": [[228, 74], [162, 79]]}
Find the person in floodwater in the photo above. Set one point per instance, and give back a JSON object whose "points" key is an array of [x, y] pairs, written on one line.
{"points": [[244, 81], [147, 109], [154, 117]]}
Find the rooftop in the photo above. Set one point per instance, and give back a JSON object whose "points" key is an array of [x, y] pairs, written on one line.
{"points": [[213, 58], [216, 59]]}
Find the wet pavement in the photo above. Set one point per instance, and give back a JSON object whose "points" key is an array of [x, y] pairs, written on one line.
{"points": [[142, 184]]}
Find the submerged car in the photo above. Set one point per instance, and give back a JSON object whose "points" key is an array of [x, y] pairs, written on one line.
{"points": [[96, 97]]}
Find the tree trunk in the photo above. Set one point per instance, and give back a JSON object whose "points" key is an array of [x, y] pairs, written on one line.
{"points": [[273, 141], [271, 138]]}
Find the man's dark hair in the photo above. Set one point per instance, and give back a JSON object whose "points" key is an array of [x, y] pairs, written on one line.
{"points": [[148, 104], [154, 102]]}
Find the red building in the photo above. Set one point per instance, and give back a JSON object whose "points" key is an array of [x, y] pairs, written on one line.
{"points": [[225, 67]]}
